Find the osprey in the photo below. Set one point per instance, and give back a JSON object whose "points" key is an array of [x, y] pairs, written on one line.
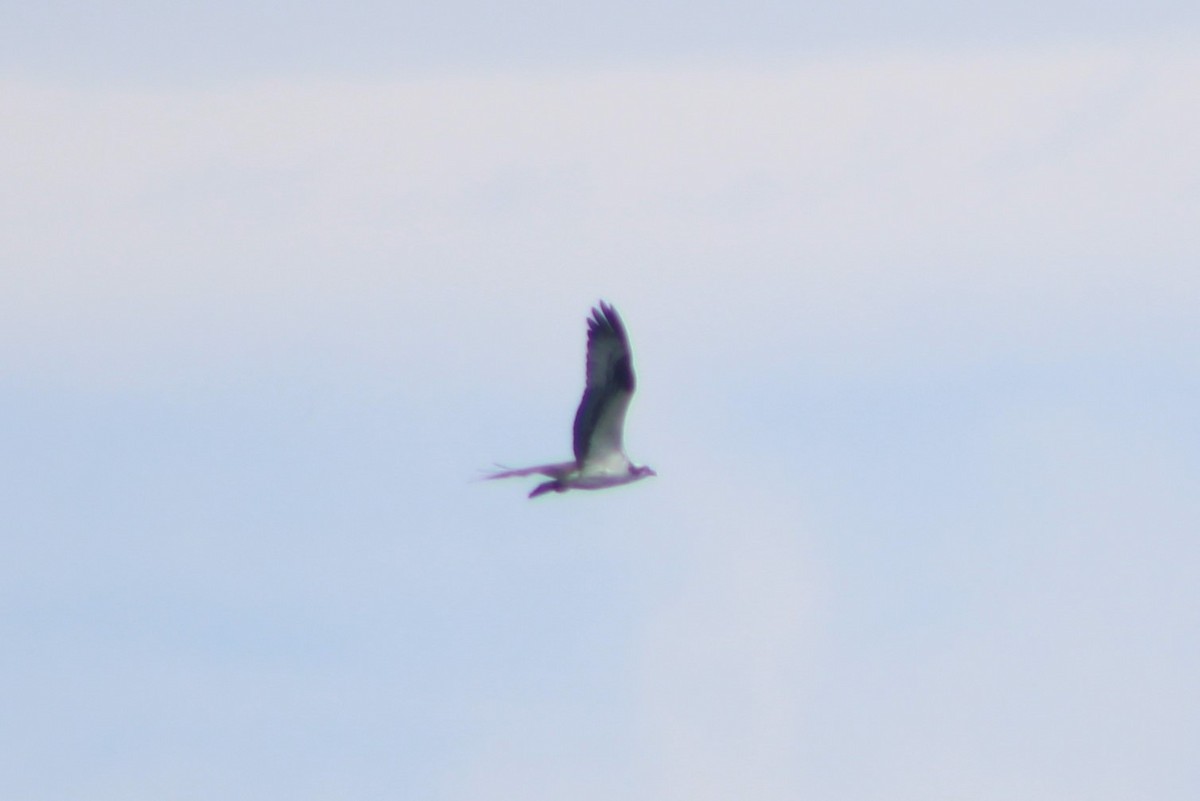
{"points": [[600, 459]]}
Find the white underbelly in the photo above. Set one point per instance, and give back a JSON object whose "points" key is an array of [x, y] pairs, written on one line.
{"points": [[613, 465], [593, 481]]}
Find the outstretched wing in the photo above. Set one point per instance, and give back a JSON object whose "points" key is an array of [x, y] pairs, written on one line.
{"points": [[557, 470], [600, 419]]}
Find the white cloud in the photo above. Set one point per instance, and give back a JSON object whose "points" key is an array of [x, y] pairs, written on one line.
{"points": [[1035, 194], [905, 203]]}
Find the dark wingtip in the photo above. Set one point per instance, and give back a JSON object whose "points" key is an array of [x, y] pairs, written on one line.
{"points": [[605, 318]]}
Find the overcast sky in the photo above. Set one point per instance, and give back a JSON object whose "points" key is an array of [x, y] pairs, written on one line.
{"points": [[912, 294]]}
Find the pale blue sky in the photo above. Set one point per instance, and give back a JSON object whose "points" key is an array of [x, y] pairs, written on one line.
{"points": [[163, 43], [912, 296]]}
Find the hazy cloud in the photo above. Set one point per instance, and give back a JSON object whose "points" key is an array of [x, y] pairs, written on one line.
{"points": [[916, 348], [1048, 188]]}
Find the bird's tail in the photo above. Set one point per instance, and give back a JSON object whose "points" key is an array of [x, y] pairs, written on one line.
{"points": [[547, 486]]}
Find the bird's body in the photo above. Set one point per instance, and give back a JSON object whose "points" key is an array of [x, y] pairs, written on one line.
{"points": [[600, 459]]}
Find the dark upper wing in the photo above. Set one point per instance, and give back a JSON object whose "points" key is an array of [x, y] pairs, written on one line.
{"points": [[601, 415]]}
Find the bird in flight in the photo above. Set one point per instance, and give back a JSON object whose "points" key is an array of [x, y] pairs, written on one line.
{"points": [[600, 459]]}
